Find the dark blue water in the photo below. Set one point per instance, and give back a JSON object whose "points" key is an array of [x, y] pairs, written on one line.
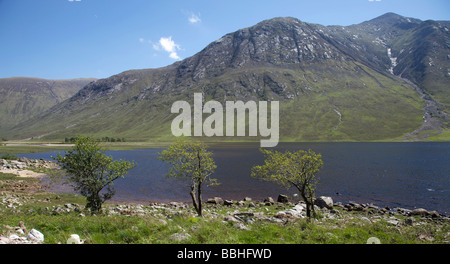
{"points": [[409, 175]]}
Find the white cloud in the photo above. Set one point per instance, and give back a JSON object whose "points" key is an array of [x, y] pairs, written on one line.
{"points": [[194, 19], [170, 46], [166, 44], [174, 56], [74, 0], [374, 0]]}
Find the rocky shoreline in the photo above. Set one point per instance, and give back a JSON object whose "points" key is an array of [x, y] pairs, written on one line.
{"points": [[242, 213], [23, 163], [245, 212]]}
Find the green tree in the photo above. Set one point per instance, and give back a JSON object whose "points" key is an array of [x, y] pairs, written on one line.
{"points": [[292, 169], [192, 161], [89, 170]]}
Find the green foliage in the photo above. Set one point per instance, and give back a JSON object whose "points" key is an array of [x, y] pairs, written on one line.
{"points": [[9, 156], [103, 139], [192, 161], [90, 170], [292, 169]]}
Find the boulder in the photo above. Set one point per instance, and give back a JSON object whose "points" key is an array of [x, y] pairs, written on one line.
{"points": [[240, 203], [215, 200], [74, 239], [179, 236], [230, 218], [296, 212], [18, 164], [178, 204], [353, 207], [420, 212], [241, 226], [282, 198], [434, 214], [324, 202], [269, 201], [35, 236], [228, 202], [408, 221]]}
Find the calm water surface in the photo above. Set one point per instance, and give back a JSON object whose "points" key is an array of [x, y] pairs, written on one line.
{"points": [[409, 175]]}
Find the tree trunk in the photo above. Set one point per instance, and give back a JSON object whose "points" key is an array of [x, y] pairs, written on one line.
{"points": [[194, 200], [308, 204], [94, 203], [311, 203], [199, 196], [199, 184]]}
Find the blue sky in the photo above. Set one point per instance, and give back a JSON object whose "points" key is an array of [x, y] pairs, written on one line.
{"points": [[62, 39]]}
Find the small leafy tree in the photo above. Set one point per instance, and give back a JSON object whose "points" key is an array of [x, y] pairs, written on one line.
{"points": [[292, 169], [192, 161], [89, 170]]}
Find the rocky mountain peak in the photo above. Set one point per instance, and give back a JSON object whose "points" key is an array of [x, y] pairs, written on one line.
{"points": [[393, 19], [277, 41]]}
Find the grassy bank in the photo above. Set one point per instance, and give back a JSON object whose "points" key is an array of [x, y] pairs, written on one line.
{"points": [[57, 216], [36, 147]]}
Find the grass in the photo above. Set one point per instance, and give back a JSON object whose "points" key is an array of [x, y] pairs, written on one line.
{"points": [[36, 147], [157, 224], [148, 229], [443, 136]]}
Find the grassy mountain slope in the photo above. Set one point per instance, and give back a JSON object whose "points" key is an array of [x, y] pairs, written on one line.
{"points": [[333, 83], [22, 98]]}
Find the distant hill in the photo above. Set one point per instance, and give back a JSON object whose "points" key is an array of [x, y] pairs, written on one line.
{"points": [[383, 79], [22, 98]]}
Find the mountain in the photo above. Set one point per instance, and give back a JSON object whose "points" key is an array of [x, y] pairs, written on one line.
{"points": [[383, 79], [22, 98]]}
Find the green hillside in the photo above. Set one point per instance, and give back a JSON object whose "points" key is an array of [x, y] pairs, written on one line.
{"points": [[23, 98], [355, 83]]}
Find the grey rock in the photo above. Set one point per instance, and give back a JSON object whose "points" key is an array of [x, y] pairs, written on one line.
{"points": [[282, 198], [35, 236], [434, 214], [240, 203], [324, 202], [227, 202], [269, 201], [215, 200], [241, 226], [408, 221], [420, 212], [393, 221], [296, 212], [177, 204], [365, 219], [179, 236], [230, 218]]}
